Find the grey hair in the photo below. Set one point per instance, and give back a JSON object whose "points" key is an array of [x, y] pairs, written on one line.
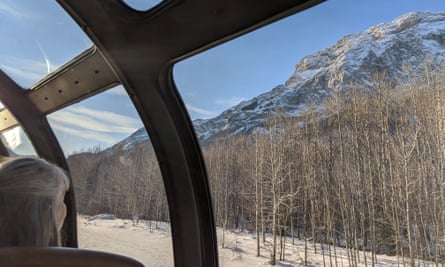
{"points": [[28, 192]]}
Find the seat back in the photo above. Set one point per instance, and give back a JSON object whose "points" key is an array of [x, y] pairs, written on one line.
{"points": [[58, 256]]}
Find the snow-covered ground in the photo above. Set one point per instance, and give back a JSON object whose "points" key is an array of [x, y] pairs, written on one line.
{"points": [[150, 243]]}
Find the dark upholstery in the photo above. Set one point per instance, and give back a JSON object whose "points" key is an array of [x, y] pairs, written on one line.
{"points": [[63, 257]]}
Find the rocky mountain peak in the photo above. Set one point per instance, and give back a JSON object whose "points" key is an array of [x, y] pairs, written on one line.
{"points": [[400, 49], [406, 41]]}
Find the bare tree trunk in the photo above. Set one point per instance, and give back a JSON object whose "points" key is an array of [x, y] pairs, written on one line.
{"points": [[258, 201]]}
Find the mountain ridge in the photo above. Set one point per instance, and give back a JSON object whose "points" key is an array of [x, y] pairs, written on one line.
{"points": [[410, 40], [400, 49]]}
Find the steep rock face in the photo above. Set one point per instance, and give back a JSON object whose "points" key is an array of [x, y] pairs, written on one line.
{"points": [[408, 41], [399, 49], [252, 114]]}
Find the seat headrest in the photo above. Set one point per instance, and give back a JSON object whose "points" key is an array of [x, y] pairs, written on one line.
{"points": [[61, 256]]}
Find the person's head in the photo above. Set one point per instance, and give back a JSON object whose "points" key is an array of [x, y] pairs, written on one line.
{"points": [[32, 210]]}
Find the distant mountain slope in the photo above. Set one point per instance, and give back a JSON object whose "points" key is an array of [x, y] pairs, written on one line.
{"points": [[400, 49], [410, 40]]}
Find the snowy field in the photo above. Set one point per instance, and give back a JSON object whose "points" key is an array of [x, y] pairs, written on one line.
{"points": [[150, 243]]}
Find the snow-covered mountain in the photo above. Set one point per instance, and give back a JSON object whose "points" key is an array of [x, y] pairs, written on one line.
{"points": [[400, 49], [129, 143]]}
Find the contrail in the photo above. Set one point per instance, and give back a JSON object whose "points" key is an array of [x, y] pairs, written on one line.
{"points": [[48, 63]]}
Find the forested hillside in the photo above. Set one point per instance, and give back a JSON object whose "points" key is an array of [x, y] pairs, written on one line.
{"points": [[366, 173], [349, 152], [114, 181]]}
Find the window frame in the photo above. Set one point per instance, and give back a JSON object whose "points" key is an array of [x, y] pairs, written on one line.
{"points": [[138, 50]]}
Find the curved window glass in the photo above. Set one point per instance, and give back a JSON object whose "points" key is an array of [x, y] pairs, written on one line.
{"points": [[95, 122], [17, 142], [120, 194], [38, 37], [323, 136]]}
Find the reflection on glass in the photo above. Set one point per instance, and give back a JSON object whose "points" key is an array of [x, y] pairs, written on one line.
{"points": [[142, 5], [119, 190], [39, 37], [17, 142]]}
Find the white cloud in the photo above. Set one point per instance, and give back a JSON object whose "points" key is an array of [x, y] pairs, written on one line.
{"points": [[110, 117], [97, 126], [96, 121], [29, 74], [90, 135], [200, 111], [230, 102], [26, 71]]}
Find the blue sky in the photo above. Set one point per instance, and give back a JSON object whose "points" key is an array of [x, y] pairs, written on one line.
{"points": [[41, 37], [248, 66]]}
